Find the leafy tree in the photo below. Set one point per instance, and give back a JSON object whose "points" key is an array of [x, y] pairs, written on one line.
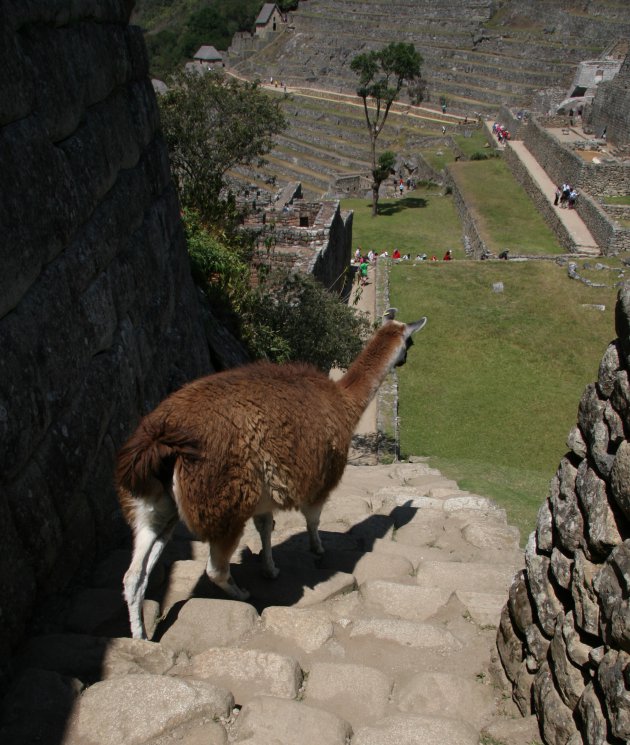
{"points": [[382, 75], [384, 168], [291, 316], [210, 124]]}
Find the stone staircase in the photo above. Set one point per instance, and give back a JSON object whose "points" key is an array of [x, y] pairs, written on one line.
{"points": [[388, 638]]}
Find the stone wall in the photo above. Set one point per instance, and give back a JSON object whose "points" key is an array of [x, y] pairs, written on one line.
{"points": [[564, 637], [474, 245], [98, 315], [610, 109]]}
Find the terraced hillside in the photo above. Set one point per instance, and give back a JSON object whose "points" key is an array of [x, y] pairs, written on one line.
{"points": [[327, 138], [479, 54]]}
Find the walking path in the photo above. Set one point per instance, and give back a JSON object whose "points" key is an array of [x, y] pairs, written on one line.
{"points": [[580, 234]]}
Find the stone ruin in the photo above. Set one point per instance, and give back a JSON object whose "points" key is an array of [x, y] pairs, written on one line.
{"points": [[564, 636], [309, 237]]}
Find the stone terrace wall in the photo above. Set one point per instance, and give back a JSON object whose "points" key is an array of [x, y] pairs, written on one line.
{"points": [[98, 315], [474, 244], [611, 107], [564, 637]]}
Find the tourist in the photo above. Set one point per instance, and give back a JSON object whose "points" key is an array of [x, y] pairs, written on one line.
{"points": [[364, 271], [448, 255], [396, 255], [573, 195], [371, 256], [557, 196], [401, 187]]}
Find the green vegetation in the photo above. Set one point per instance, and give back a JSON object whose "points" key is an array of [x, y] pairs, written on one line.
{"points": [[175, 29], [505, 215], [617, 200], [212, 123], [493, 388], [381, 75], [415, 224]]}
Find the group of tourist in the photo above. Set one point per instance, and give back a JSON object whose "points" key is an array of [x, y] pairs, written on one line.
{"points": [[565, 196], [500, 132], [364, 261]]}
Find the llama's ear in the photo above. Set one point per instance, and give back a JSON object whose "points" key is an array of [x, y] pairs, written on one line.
{"points": [[411, 328], [389, 314]]}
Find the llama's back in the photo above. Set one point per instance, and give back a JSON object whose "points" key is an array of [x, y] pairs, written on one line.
{"points": [[262, 431]]}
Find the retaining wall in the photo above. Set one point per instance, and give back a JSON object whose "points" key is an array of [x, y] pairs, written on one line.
{"points": [[98, 315], [564, 636]]}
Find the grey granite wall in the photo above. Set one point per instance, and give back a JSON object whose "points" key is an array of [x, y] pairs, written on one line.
{"points": [[98, 315], [564, 637], [611, 108]]}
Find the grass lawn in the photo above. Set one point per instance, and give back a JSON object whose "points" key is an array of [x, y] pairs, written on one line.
{"points": [[505, 215], [414, 224], [492, 387]]}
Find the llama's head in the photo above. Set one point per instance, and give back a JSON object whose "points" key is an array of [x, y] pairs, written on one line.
{"points": [[404, 332]]}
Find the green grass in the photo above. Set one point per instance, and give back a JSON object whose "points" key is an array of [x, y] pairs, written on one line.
{"points": [[617, 200], [492, 387], [414, 224], [506, 216]]}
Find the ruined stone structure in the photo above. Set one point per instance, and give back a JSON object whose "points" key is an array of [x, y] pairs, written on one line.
{"points": [[98, 315], [564, 638], [610, 111], [310, 237]]}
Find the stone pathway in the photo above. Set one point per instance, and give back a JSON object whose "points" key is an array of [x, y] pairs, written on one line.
{"points": [[389, 638]]}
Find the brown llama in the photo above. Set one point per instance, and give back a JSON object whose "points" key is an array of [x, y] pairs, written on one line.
{"points": [[243, 443]]}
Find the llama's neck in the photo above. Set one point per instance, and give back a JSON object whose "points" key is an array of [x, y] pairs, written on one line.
{"points": [[368, 371]]}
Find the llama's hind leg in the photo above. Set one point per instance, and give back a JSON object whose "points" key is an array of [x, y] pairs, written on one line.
{"points": [[153, 527], [264, 526], [218, 567], [311, 514]]}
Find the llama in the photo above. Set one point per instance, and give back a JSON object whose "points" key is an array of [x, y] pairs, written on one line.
{"points": [[243, 443]]}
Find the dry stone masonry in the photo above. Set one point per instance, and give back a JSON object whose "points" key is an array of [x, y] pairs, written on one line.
{"points": [[564, 636], [98, 315]]}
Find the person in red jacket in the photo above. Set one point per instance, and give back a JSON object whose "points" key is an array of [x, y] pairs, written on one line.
{"points": [[448, 255], [396, 254]]}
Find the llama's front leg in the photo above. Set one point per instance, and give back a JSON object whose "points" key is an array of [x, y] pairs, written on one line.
{"points": [[311, 514], [218, 568], [264, 526]]}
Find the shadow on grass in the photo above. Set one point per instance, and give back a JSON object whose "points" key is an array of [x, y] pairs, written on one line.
{"points": [[398, 205]]}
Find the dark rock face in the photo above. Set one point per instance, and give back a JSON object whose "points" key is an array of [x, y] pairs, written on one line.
{"points": [[99, 319], [564, 637]]}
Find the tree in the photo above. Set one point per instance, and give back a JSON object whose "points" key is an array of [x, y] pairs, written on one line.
{"points": [[382, 75], [385, 167], [211, 124]]}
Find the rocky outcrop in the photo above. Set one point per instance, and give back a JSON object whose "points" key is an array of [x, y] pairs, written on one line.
{"points": [[98, 315], [564, 637]]}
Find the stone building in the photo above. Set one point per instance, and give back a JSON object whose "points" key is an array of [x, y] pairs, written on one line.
{"points": [[269, 20], [610, 111], [310, 237], [209, 56]]}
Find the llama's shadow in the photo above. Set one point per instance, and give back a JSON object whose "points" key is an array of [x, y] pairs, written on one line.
{"points": [[299, 568]]}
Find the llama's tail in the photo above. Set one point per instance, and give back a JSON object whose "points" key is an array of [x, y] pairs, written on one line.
{"points": [[149, 456]]}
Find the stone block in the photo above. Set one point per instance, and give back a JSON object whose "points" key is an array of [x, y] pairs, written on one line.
{"points": [[522, 691], [620, 479], [567, 518], [203, 623], [357, 693], [544, 528], [490, 534], [601, 529], [537, 646], [561, 566], [555, 718], [569, 678], [608, 369], [509, 646], [620, 397], [136, 708], [519, 603], [547, 604], [575, 442], [404, 601], [416, 730], [447, 695], [577, 651], [613, 675], [586, 608], [273, 720], [407, 633], [247, 672], [307, 629], [612, 587], [591, 718], [593, 427]]}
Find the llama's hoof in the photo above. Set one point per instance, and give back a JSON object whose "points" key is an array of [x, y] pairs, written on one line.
{"points": [[270, 572], [318, 550], [231, 589]]}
